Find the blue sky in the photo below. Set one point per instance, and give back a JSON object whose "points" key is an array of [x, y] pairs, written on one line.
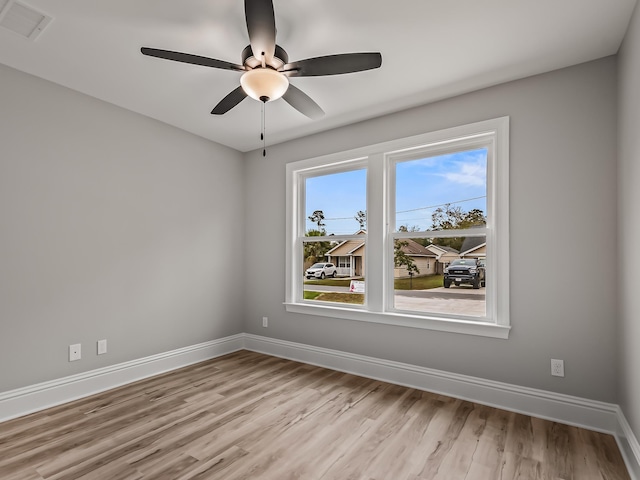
{"points": [[421, 186], [339, 196]]}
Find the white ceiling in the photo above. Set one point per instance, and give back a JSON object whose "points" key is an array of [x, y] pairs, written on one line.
{"points": [[431, 49]]}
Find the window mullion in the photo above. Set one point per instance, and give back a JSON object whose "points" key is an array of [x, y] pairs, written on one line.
{"points": [[375, 233]]}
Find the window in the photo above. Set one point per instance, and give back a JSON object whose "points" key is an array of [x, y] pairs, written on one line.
{"points": [[439, 190], [415, 232], [334, 231]]}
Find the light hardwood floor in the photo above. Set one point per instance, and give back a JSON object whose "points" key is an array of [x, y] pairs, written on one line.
{"points": [[252, 416]]}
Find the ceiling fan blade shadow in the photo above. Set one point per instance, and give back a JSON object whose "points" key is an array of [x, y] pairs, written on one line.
{"points": [[333, 64], [302, 102], [192, 59], [261, 26], [230, 101]]}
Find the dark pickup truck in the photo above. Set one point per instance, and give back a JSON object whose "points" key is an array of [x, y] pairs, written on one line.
{"points": [[464, 270]]}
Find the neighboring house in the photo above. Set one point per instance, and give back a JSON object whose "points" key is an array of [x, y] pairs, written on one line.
{"points": [[444, 256], [423, 258], [474, 247], [430, 260], [348, 257]]}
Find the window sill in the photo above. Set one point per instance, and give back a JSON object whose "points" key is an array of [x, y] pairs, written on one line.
{"points": [[466, 327]]}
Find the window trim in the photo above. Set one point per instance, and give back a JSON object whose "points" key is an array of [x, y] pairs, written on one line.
{"points": [[375, 158]]}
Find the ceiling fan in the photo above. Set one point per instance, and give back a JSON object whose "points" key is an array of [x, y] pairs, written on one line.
{"points": [[266, 68]]}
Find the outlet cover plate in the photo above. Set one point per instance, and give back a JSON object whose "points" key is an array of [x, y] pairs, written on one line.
{"points": [[75, 352], [102, 347], [557, 367]]}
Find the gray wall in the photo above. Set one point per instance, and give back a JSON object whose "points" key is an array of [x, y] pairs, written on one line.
{"points": [[563, 236], [115, 226], [112, 225], [629, 223]]}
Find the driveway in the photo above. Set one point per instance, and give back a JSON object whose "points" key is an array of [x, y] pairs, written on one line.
{"points": [[470, 303], [461, 300]]}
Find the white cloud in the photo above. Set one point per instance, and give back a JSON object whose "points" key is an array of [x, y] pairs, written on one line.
{"points": [[471, 174]]}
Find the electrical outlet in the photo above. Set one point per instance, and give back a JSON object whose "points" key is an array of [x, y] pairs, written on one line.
{"points": [[265, 322], [557, 367], [75, 352], [102, 347]]}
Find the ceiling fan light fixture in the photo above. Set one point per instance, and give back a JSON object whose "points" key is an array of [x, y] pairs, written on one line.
{"points": [[264, 84]]}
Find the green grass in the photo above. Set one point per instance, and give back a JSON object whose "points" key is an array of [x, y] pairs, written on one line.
{"points": [[418, 283], [357, 298], [311, 295]]}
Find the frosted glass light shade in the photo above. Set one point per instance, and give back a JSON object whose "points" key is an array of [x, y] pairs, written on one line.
{"points": [[261, 83]]}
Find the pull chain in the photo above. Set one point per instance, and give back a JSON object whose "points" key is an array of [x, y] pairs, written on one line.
{"points": [[263, 135], [263, 126]]}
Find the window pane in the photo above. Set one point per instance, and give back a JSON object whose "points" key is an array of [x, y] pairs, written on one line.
{"points": [[336, 204], [437, 278], [334, 271], [442, 192]]}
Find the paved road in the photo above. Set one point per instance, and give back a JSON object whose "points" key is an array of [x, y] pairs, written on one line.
{"points": [[325, 288], [461, 293]]}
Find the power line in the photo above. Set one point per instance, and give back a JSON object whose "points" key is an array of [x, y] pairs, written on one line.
{"points": [[442, 204], [419, 208]]}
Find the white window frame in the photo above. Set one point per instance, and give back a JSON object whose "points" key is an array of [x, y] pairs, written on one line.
{"points": [[379, 160]]}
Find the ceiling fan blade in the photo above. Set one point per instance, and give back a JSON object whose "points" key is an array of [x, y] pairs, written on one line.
{"points": [[193, 59], [261, 25], [230, 101], [302, 102], [333, 64]]}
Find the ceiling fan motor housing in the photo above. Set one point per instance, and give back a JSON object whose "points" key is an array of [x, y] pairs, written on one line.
{"points": [[280, 58]]}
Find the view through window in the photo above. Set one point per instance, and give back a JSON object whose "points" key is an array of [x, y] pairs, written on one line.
{"points": [[443, 195], [335, 205]]}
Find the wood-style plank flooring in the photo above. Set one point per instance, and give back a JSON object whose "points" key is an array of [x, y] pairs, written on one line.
{"points": [[252, 416]]}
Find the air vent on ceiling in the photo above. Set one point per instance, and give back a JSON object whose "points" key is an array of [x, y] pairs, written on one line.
{"points": [[21, 19]]}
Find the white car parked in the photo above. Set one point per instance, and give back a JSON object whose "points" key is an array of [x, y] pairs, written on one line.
{"points": [[321, 270]]}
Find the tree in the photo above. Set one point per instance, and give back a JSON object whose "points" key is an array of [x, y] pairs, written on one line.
{"points": [[317, 217], [474, 218], [425, 242], [315, 251], [454, 218], [401, 259], [446, 218], [449, 218], [361, 218]]}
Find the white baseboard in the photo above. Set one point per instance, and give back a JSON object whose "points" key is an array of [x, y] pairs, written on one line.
{"points": [[598, 416], [590, 414], [22, 401], [629, 446]]}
